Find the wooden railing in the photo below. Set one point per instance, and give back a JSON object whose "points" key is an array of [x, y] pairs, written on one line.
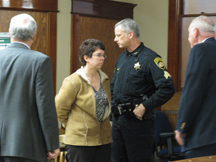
{"points": [[200, 159], [171, 109]]}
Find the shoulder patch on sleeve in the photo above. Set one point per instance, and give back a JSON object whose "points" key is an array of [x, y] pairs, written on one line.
{"points": [[159, 62]]}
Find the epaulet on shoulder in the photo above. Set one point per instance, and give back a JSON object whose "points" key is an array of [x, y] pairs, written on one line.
{"points": [[150, 53], [147, 51]]}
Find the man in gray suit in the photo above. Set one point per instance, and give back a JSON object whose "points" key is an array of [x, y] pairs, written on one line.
{"points": [[28, 120]]}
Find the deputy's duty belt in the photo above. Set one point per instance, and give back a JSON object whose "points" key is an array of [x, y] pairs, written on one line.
{"points": [[127, 110], [124, 108]]}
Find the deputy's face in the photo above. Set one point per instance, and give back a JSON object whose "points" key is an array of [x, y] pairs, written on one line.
{"points": [[121, 38]]}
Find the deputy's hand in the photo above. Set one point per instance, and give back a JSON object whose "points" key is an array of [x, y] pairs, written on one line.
{"points": [[53, 154], [139, 111], [179, 137]]}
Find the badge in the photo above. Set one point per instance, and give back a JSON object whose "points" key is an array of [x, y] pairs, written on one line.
{"points": [[137, 66], [159, 62], [166, 75]]}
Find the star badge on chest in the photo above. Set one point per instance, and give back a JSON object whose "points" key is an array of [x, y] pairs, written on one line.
{"points": [[137, 66]]}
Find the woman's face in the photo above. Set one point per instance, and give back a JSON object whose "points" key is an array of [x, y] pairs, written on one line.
{"points": [[97, 59]]}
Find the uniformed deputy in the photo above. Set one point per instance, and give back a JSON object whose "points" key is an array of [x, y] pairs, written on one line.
{"points": [[140, 84]]}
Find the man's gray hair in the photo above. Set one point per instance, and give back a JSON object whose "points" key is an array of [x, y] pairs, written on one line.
{"points": [[129, 25], [22, 27], [203, 23]]}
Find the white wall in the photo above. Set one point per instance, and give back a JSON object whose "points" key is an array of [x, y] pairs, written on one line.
{"points": [[151, 16], [63, 41]]}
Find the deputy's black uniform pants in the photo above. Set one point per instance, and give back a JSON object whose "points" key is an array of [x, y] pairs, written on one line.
{"points": [[132, 140]]}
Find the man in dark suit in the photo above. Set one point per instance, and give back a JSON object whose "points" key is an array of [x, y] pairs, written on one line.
{"points": [[196, 123], [28, 120]]}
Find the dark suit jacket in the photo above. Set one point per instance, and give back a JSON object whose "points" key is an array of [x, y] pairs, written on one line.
{"points": [[197, 110], [28, 120]]}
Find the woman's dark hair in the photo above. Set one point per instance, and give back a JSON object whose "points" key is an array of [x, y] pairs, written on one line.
{"points": [[88, 47]]}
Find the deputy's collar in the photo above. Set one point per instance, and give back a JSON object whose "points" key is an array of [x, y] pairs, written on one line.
{"points": [[136, 51]]}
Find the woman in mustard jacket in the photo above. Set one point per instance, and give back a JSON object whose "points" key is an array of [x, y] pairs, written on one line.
{"points": [[83, 106]]}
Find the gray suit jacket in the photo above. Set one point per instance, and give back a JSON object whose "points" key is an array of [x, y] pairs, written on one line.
{"points": [[28, 120]]}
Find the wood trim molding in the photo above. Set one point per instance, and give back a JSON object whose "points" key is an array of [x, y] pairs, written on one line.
{"points": [[174, 58], [172, 45], [103, 8], [52, 42], [35, 5], [75, 36]]}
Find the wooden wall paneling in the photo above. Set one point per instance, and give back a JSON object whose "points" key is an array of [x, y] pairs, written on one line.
{"points": [[5, 20], [103, 30], [45, 14], [40, 43], [45, 41], [171, 109], [96, 19], [102, 8], [75, 43], [52, 42], [173, 103], [199, 159], [174, 60], [97, 28], [42, 5], [173, 43]]}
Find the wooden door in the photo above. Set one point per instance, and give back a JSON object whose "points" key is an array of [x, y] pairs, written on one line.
{"points": [[96, 19]]}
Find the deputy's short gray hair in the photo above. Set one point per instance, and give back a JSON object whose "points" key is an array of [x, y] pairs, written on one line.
{"points": [[22, 27], [129, 25]]}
